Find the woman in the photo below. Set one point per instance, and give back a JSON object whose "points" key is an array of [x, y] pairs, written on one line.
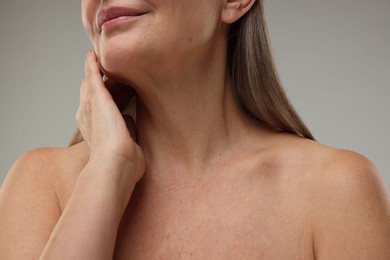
{"points": [[216, 165]]}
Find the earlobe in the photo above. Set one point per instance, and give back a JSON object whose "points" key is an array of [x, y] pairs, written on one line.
{"points": [[235, 9]]}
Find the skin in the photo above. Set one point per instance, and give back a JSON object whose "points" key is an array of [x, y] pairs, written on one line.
{"points": [[202, 180]]}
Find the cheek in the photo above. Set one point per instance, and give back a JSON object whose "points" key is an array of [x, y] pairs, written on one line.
{"points": [[88, 9], [197, 23]]}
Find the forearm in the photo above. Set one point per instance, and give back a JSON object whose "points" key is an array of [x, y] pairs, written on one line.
{"points": [[88, 226]]}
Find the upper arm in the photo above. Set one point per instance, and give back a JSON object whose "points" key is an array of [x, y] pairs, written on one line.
{"points": [[29, 208], [352, 211]]}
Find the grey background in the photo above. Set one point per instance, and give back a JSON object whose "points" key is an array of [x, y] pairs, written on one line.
{"points": [[333, 57]]}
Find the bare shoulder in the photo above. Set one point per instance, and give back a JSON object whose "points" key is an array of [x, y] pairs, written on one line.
{"points": [[55, 168], [38, 165], [353, 210], [336, 172], [348, 173], [349, 205], [51, 159], [31, 199], [324, 164]]}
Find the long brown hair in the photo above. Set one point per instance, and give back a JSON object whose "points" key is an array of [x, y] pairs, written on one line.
{"points": [[256, 84], [255, 81]]}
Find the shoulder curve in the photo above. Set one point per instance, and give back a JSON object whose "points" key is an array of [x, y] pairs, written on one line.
{"points": [[57, 169], [350, 208], [340, 172], [48, 164], [37, 165], [349, 159], [327, 160], [343, 168], [49, 159], [31, 201], [36, 161]]}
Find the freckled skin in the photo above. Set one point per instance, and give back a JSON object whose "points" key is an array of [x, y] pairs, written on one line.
{"points": [[192, 177]]}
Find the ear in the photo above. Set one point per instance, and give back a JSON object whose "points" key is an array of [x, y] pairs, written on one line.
{"points": [[235, 9]]}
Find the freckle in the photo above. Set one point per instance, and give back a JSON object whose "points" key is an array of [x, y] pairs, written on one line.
{"points": [[190, 39]]}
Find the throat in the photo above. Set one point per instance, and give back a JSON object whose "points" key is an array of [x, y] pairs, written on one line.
{"points": [[188, 137]]}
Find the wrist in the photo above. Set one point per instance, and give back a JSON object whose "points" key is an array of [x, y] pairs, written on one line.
{"points": [[112, 168], [114, 178]]}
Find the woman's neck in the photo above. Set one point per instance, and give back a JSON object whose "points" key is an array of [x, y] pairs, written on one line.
{"points": [[190, 122], [191, 133]]}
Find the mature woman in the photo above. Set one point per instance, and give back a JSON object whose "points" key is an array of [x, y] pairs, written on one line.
{"points": [[216, 164]]}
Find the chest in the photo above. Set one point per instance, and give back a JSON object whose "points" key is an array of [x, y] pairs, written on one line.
{"points": [[223, 224]]}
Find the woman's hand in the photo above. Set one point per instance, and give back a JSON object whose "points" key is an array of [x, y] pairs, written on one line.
{"points": [[108, 134], [104, 187]]}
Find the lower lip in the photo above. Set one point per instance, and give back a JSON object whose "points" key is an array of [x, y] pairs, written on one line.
{"points": [[117, 21]]}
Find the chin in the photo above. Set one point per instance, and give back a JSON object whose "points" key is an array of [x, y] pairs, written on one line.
{"points": [[118, 64], [122, 61]]}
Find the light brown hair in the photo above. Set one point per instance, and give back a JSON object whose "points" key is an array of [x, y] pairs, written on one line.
{"points": [[255, 81], [256, 84]]}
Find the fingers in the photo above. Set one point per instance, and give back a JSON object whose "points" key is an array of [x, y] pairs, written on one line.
{"points": [[107, 132], [91, 67], [93, 76], [99, 98], [89, 88], [121, 93]]}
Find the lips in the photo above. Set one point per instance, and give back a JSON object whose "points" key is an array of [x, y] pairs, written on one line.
{"points": [[114, 13]]}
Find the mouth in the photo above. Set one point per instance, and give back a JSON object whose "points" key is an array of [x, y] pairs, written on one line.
{"points": [[116, 13]]}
